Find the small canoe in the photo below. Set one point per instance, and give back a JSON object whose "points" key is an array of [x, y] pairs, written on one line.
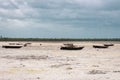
{"points": [[100, 46], [11, 46], [71, 48], [108, 44]]}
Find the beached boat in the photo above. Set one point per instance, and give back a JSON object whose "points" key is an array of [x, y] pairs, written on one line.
{"points": [[71, 47], [108, 44], [100, 46], [12, 46]]}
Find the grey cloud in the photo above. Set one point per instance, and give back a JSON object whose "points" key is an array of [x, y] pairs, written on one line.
{"points": [[59, 9], [111, 5], [48, 15], [6, 4]]}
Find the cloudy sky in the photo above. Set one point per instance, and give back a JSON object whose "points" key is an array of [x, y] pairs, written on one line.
{"points": [[60, 18]]}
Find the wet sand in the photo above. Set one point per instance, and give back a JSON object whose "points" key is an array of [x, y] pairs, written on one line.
{"points": [[48, 62]]}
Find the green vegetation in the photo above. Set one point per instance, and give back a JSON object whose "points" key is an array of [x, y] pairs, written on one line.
{"points": [[57, 39]]}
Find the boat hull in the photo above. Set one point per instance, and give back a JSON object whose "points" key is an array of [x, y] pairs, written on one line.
{"points": [[71, 48], [11, 46], [96, 46], [108, 44]]}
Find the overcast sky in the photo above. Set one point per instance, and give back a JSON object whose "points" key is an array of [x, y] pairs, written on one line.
{"points": [[60, 18]]}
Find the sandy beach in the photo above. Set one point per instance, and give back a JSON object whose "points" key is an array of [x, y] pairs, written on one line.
{"points": [[48, 62]]}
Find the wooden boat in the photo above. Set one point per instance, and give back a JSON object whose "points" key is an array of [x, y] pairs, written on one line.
{"points": [[100, 46], [71, 47], [11, 46], [108, 44]]}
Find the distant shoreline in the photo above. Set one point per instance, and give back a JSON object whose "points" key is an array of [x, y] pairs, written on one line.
{"points": [[59, 39]]}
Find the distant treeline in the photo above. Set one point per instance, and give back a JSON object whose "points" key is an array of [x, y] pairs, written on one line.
{"points": [[57, 39]]}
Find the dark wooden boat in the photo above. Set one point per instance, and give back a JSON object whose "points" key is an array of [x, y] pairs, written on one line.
{"points": [[71, 48], [100, 46], [108, 44], [11, 46]]}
